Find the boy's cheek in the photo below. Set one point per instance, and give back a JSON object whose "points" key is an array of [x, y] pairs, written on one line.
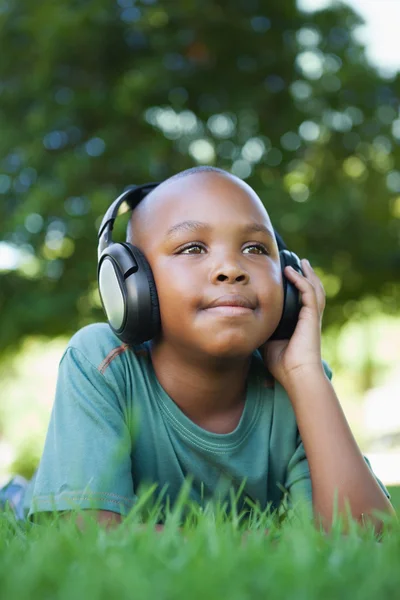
{"points": [[177, 307], [176, 289], [270, 293], [271, 307]]}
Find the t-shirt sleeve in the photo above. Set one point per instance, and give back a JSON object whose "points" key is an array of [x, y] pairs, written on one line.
{"points": [[298, 479], [86, 462]]}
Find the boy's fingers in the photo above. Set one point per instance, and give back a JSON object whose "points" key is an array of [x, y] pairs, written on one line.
{"points": [[303, 284], [308, 285], [318, 285]]}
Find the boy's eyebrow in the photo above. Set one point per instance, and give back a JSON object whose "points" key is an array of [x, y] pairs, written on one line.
{"points": [[186, 226], [193, 226], [258, 227]]}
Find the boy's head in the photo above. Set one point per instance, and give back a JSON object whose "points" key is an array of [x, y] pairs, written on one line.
{"points": [[209, 241]]}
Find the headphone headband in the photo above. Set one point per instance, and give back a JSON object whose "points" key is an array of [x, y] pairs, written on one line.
{"points": [[132, 197]]}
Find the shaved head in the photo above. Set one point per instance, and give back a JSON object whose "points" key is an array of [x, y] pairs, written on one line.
{"points": [[140, 221]]}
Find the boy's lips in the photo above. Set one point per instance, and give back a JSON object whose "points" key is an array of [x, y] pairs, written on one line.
{"points": [[232, 300]]}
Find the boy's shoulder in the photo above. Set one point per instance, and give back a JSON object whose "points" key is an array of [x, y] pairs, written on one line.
{"points": [[99, 345]]}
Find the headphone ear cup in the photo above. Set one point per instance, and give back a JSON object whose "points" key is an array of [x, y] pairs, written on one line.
{"points": [[154, 323], [128, 293], [291, 298]]}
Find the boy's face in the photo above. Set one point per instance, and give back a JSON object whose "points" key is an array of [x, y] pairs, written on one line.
{"points": [[217, 259]]}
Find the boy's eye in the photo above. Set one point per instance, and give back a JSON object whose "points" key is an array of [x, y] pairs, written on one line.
{"points": [[259, 247], [191, 249]]}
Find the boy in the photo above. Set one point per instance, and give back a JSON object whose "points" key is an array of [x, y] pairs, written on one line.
{"points": [[206, 402]]}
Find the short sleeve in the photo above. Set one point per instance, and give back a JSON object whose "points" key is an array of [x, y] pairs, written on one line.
{"points": [[298, 479], [86, 462]]}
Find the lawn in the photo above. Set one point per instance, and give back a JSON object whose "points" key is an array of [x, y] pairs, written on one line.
{"points": [[208, 557]]}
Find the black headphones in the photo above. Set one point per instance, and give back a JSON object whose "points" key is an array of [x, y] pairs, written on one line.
{"points": [[128, 291]]}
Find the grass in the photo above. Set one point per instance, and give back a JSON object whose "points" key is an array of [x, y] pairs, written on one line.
{"points": [[204, 556]]}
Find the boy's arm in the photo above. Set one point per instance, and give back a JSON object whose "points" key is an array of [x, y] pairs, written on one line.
{"points": [[105, 518], [336, 463]]}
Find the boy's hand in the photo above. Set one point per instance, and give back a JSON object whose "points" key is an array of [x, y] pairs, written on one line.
{"points": [[283, 358]]}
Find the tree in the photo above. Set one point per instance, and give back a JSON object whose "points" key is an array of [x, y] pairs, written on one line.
{"points": [[97, 95]]}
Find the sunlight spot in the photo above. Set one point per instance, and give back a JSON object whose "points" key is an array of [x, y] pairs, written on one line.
{"points": [[353, 167], [202, 151]]}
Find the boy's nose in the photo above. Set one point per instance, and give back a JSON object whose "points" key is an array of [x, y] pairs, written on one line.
{"points": [[229, 273]]}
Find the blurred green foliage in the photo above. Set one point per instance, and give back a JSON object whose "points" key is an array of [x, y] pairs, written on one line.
{"points": [[26, 461], [96, 95]]}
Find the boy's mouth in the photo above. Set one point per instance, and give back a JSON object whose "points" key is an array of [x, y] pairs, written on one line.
{"points": [[232, 300], [231, 305]]}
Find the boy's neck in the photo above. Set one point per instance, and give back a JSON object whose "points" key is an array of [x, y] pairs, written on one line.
{"points": [[211, 393]]}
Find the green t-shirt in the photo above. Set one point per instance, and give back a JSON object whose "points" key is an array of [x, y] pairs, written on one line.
{"points": [[113, 429]]}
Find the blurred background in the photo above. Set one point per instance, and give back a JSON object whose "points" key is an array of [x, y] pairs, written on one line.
{"points": [[299, 99]]}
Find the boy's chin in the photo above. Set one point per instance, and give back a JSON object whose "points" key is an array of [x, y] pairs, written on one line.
{"points": [[225, 349]]}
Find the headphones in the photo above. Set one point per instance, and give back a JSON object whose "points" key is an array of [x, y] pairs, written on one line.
{"points": [[128, 292]]}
